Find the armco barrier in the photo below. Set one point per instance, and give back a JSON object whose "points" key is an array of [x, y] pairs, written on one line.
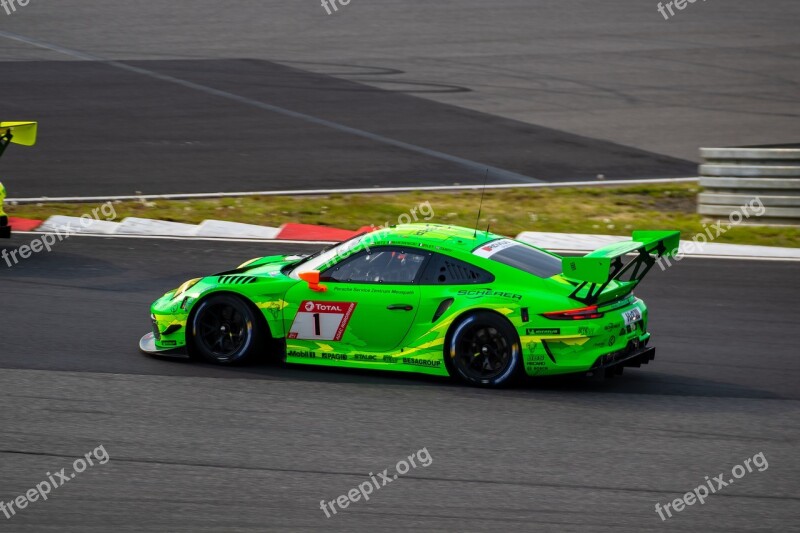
{"points": [[733, 177]]}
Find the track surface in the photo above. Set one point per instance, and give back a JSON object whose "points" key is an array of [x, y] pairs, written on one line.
{"points": [[170, 138], [724, 73], [544, 91], [201, 448]]}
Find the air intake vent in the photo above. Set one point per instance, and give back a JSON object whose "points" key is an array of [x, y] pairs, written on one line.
{"points": [[237, 280], [461, 273], [443, 270]]}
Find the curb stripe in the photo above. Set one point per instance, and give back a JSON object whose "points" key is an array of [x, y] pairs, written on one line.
{"points": [[310, 234], [23, 224]]}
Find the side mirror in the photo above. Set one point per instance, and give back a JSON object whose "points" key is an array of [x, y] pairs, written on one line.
{"points": [[312, 278]]}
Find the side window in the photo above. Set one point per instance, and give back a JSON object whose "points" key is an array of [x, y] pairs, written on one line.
{"points": [[444, 270], [378, 265]]}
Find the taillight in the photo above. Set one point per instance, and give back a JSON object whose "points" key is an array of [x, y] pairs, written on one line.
{"points": [[584, 313]]}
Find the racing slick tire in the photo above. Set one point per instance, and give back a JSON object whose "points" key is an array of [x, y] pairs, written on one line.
{"points": [[484, 350], [225, 330]]}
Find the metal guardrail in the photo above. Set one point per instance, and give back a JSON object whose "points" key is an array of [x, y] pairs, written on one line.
{"points": [[734, 177]]}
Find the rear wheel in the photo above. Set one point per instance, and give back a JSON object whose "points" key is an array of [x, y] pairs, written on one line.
{"points": [[484, 350], [225, 330]]}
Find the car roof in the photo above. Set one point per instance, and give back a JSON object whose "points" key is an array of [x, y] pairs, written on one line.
{"points": [[437, 236]]}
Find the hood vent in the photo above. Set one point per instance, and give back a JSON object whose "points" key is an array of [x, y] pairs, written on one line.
{"points": [[237, 280]]}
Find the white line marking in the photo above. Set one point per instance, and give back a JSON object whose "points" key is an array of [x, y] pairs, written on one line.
{"points": [[371, 190], [473, 166]]}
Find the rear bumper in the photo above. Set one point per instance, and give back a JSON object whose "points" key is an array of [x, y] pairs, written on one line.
{"points": [[5, 229], [633, 355]]}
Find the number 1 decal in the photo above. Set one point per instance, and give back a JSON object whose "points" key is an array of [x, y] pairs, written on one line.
{"points": [[321, 320]]}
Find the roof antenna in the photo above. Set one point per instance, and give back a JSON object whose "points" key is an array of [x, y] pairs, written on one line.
{"points": [[480, 205]]}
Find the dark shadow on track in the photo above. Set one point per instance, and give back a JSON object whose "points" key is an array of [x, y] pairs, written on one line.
{"points": [[647, 380]]}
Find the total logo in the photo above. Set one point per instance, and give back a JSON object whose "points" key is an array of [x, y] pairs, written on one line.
{"points": [[323, 307]]}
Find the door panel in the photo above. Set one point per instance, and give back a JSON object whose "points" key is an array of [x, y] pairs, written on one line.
{"points": [[352, 316]]}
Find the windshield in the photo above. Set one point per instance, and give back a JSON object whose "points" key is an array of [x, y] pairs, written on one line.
{"points": [[521, 256], [323, 258]]}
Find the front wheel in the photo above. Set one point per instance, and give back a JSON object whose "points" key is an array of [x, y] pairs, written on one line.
{"points": [[484, 350], [225, 330]]}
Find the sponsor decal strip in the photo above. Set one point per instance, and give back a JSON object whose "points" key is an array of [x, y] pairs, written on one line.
{"points": [[543, 331], [485, 293], [345, 321]]}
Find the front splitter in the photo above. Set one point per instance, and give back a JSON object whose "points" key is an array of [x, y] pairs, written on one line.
{"points": [[147, 345]]}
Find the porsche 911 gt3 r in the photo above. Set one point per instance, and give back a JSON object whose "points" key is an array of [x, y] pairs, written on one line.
{"points": [[425, 298]]}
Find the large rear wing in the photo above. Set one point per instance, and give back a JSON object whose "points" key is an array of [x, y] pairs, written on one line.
{"points": [[23, 133], [597, 269]]}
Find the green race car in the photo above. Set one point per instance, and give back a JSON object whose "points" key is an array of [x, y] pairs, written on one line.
{"points": [[425, 298], [18, 133]]}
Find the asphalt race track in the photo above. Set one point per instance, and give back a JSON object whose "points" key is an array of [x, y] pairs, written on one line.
{"points": [[200, 448], [249, 125], [204, 96], [246, 95]]}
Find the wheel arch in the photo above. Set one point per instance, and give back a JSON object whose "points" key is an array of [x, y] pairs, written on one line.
{"points": [[258, 313], [461, 317]]}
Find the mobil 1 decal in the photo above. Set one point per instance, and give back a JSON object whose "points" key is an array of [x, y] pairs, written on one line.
{"points": [[321, 320]]}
